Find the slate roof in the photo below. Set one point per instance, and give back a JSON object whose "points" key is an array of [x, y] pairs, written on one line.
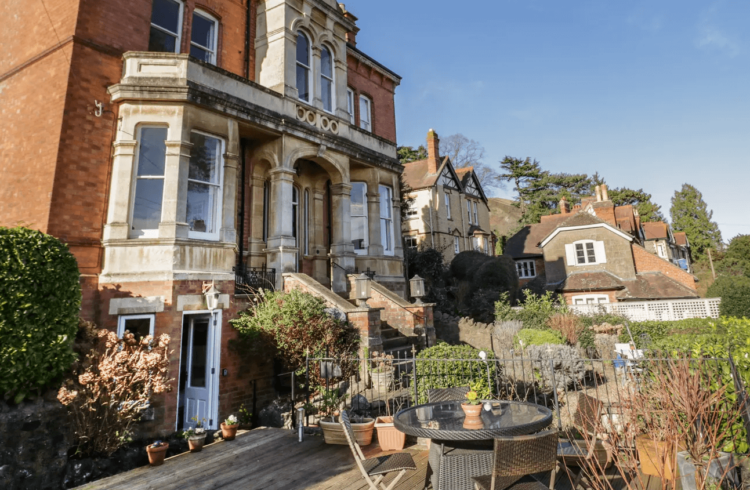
{"points": [[417, 177], [525, 243], [626, 218], [474, 229], [653, 286], [591, 281], [655, 231]]}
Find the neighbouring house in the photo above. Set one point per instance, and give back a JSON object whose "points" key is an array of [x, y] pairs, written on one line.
{"points": [[594, 253], [175, 145], [660, 240], [450, 211]]}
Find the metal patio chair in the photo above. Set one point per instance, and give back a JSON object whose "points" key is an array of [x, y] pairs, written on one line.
{"points": [[517, 458], [379, 467], [437, 395], [586, 419]]}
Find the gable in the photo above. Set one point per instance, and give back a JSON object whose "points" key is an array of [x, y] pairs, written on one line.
{"points": [[448, 178], [472, 187]]}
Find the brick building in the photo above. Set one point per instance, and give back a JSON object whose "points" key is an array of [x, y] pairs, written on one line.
{"points": [[171, 143], [450, 211], [594, 253]]}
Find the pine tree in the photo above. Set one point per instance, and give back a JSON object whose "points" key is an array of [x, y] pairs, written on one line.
{"points": [[690, 214], [526, 177], [407, 154]]}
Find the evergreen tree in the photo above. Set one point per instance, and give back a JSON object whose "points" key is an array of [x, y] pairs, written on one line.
{"points": [[526, 177], [690, 214], [407, 154]]}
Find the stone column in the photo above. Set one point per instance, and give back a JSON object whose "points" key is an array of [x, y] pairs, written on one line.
{"points": [[315, 88], [257, 193], [399, 242], [228, 232], [118, 214], [373, 220], [342, 249], [174, 208], [281, 248], [424, 323]]}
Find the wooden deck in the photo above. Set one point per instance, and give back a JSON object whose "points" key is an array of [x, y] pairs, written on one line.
{"points": [[267, 459]]}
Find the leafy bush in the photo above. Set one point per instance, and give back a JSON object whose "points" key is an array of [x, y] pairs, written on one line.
{"points": [[294, 324], [40, 298], [587, 339], [734, 292], [434, 373], [654, 331], [536, 310], [111, 385], [601, 318], [528, 337]]}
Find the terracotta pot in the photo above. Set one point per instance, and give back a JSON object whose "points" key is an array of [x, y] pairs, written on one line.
{"points": [[156, 454], [333, 433], [471, 410], [473, 423], [196, 443], [229, 432], [389, 437], [653, 458]]}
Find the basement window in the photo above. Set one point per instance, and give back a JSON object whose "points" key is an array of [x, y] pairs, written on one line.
{"points": [[166, 26]]}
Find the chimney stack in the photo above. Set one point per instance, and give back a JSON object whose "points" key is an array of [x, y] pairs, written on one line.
{"points": [[433, 152], [351, 36], [598, 191], [605, 194], [564, 206]]}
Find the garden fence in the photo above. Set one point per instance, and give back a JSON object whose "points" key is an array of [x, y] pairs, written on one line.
{"points": [[639, 311]]}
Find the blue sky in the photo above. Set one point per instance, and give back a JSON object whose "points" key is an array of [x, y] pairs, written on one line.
{"points": [[650, 93]]}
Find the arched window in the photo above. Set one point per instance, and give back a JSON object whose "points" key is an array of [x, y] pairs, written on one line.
{"points": [[303, 67], [326, 79], [204, 37]]}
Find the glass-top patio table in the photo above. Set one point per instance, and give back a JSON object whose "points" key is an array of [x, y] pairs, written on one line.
{"points": [[463, 449]]}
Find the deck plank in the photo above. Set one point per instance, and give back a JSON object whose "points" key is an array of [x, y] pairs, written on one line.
{"points": [[273, 459]]}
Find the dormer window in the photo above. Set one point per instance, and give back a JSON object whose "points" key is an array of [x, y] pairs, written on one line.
{"points": [[326, 79], [585, 252], [303, 67], [203, 39]]}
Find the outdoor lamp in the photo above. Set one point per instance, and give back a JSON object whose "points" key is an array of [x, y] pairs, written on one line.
{"points": [[417, 289], [212, 297], [363, 289]]}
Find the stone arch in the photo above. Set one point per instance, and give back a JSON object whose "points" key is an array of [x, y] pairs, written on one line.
{"points": [[335, 166], [327, 40], [305, 26]]}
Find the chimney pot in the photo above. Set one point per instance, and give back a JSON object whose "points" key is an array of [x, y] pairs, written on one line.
{"points": [[605, 194], [598, 191], [564, 206]]}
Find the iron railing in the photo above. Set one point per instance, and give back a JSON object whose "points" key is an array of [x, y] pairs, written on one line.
{"points": [[248, 280]]}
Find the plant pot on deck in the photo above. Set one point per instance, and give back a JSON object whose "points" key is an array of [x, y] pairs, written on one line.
{"points": [[229, 432], [156, 454], [721, 470], [653, 458], [333, 433], [196, 443], [389, 437]]}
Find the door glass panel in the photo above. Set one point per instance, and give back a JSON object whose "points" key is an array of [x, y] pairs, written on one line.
{"points": [[199, 354]]}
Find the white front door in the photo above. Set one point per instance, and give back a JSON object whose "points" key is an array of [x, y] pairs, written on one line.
{"points": [[198, 393]]}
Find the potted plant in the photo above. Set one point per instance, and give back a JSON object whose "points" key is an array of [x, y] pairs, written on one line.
{"points": [[246, 418], [229, 428], [156, 453], [196, 436], [333, 433], [472, 406], [389, 437], [382, 373]]}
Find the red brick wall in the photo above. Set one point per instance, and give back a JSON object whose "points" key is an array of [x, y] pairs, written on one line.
{"points": [[381, 90], [647, 262]]}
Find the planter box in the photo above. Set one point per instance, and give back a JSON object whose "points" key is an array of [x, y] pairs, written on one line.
{"points": [[389, 437], [721, 469], [651, 455], [333, 433], [600, 452]]}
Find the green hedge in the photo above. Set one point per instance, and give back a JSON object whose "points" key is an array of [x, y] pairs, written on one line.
{"points": [[538, 337], [40, 299], [734, 292], [658, 330], [535, 311], [433, 372]]}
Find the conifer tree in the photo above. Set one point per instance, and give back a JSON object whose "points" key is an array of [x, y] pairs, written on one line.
{"points": [[690, 214]]}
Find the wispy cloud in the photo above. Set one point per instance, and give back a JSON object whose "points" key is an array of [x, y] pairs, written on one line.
{"points": [[712, 38]]}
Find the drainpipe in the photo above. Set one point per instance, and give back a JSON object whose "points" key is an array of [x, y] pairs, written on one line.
{"points": [[247, 40]]}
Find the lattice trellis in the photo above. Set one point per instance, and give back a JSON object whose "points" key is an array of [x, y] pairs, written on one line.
{"points": [[656, 310]]}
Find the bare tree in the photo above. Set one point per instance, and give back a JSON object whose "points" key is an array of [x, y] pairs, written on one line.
{"points": [[465, 152]]}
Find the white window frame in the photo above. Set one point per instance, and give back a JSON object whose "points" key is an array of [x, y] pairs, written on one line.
{"points": [[365, 123], [476, 214], [350, 104], [308, 67], [412, 212], [178, 34], [215, 35], [456, 244], [365, 250], [447, 199], [411, 242], [386, 219], [122, 319], [151, 233], [583, 299], [596, 247], [475, 244], [527, 272], [332, 79], [200, 235], [661, 250]]}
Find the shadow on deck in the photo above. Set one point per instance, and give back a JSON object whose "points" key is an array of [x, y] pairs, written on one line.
{"points": [[267, 459]]}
